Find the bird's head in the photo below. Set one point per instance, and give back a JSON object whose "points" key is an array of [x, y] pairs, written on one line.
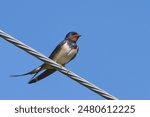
{"points": [[73, 36]]}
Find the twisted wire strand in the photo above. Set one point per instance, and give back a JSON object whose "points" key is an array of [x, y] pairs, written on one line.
{"points": [[57, 66]]}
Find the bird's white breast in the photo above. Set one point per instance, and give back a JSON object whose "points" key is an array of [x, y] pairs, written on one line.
{"points": [[65, 54]]}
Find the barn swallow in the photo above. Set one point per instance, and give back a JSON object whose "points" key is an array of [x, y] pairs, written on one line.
{"points": [[62, 54]]}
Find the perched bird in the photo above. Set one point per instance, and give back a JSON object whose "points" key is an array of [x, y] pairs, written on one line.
{"points": [[62, 54]]}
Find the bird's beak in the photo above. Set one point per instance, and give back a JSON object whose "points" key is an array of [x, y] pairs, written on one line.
{"points": [[79, 35]]}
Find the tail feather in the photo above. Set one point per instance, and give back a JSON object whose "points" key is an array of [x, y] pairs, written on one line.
{"points": [[42, 75], [36, 70]]}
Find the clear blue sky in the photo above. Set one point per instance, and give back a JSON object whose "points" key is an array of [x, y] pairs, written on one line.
{"points": [[114, 48]]}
